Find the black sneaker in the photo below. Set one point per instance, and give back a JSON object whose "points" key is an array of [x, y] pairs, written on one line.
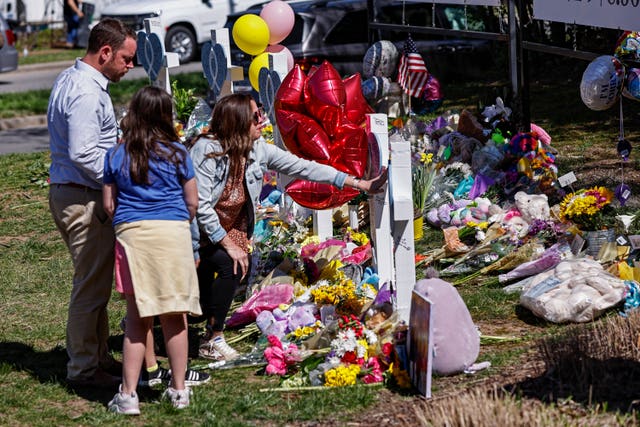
{"points": [[150, 379], [194, 378]]}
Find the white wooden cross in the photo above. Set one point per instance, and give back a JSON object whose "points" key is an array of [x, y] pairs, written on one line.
{"points": [[216, 64], [151, 55], [391, 215]]}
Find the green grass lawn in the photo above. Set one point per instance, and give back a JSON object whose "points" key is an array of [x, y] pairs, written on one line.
{"points": [[36, 273]]}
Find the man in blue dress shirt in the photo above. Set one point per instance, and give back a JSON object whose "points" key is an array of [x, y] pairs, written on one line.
{"points": [[82, 127]]}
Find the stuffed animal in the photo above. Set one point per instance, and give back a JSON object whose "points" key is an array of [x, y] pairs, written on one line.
{"points": [[532, 206], [456, 341]]}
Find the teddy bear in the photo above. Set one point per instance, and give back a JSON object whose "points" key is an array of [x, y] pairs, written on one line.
{"points": [[532, 206]]}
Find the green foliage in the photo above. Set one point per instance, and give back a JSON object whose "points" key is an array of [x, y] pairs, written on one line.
{"points": [[184, 101], [36, 274], [24, 103], [39, 171]]}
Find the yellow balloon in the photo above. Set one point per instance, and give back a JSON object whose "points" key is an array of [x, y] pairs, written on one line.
{"points": [[251, 34], [259, 62]]}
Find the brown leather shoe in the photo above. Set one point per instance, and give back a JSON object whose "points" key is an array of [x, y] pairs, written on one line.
{"points": [[100, 379]]}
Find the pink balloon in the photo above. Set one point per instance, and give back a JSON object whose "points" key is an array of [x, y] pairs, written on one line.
{"points": [[280, 18], [278, 48]]}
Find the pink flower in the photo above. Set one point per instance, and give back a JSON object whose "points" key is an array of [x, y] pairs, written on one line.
{"points": [[291, 354], [279, 357], [274, 354], [274, 341], [375, 376]]}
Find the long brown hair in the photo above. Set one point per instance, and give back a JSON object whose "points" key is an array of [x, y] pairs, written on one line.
{"points": [[147, 130], [231, 125]]}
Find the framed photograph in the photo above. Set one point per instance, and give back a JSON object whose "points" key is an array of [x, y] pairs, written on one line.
{"points": [[420, 343]]}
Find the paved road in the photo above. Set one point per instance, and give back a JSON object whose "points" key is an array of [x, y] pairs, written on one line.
{"points": [[26, 140], [30, 135], [42, 76]]}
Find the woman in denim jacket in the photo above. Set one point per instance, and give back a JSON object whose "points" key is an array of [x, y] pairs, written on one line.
{"points": [[229, 163]]}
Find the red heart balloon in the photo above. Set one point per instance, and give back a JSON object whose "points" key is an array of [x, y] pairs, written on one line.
{"points": [[314, 195], [356, 106], [303, 136], [325, 97], [290, 93], [350, 149]]}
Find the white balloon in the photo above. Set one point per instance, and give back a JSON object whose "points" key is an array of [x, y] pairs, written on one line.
{"points": [[601, 83], [380, 60]]}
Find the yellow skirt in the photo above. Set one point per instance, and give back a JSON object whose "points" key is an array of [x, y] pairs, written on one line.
{"points": [[162, 267]]}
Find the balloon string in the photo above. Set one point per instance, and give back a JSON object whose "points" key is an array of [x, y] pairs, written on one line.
{"points": [[621, 121], [621, 139], [404, 21]]}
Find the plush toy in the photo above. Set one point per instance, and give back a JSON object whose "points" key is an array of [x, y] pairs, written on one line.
{"points": [[513, 223], [532, 206], [469, 126], [456, 341]]}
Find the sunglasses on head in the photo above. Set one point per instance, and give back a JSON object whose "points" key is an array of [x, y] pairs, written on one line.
{"points": [[258, 115]]}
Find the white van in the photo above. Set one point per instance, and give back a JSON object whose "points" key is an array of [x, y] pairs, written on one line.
{"points": [[186, 24]]}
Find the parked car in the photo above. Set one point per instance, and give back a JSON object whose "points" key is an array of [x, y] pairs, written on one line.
{"points": [[338, 31], [8, 52], [185, 24]]}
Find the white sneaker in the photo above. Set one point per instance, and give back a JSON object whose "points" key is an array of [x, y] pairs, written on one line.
{"points": [[127, 404], [178, 398], [217, 349]]}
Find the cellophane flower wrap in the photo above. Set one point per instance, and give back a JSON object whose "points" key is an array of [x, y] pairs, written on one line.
{"points": [[423, 172]]}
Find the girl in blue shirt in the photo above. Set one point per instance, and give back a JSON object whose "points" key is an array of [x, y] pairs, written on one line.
{"points": [[150, 192]]}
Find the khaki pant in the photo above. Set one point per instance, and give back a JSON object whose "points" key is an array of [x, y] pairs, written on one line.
{"points": [[88, 233]]}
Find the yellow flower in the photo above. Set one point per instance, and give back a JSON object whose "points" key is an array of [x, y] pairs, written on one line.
{"points": [[359, 238], [332, 271], [310, 239], [401, 376], [341, 376]]}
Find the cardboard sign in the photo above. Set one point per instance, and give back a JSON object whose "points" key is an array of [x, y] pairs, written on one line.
{"points": [[622, 14], [567, 179], [577, 244], [465, 2], [420, 343]]}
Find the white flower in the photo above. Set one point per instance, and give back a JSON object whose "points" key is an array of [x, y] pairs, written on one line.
{"points": [[361, 351], [370, 336], [350, 334], [334, 361]]}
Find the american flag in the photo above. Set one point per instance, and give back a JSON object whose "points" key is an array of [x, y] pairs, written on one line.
{"points": [[412, 71]]}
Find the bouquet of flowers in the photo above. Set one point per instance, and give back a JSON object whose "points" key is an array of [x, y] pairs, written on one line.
{"points": [[589, 209], [351, 358], [280, 356], [423, 172]]}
